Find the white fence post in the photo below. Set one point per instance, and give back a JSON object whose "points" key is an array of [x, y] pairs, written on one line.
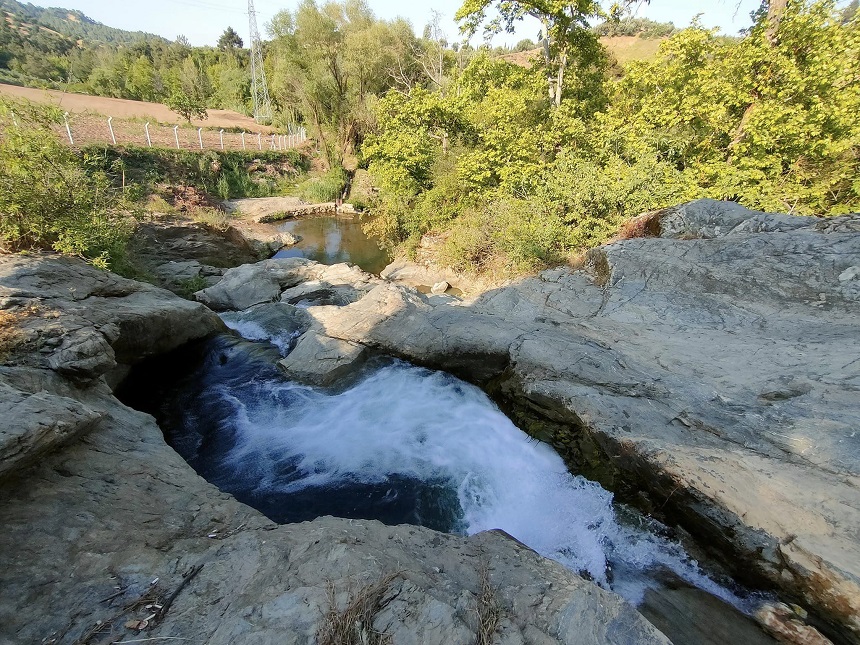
{"points": [[68, 129], [14, 118], [260, 140], [222, 138], [110, 127], [176, 135], [273, 142], [200, 137], [146, 129], [243, 141]]}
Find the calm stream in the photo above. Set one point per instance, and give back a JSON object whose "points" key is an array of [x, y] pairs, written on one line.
{"points": [[331, 240]]}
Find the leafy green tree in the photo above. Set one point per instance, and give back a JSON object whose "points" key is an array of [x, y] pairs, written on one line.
{"points": [[565, 28], [229, 40], [330, 62], [188, 106]]}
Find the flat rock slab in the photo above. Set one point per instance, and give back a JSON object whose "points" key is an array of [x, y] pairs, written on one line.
{"points": [[322, 360]]}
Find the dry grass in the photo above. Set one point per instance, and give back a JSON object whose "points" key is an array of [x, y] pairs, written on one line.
{"points": [[353, 625], [488, 609], [11, 335], [644, 225], [629, 48], [211, 217]]}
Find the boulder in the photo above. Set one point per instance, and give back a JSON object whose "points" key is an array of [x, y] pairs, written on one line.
{"points": [[440, 288], [35, 423], [321, 360], [85, 323], [253, 284], [277, 322], [288, 279], [416, 275]]}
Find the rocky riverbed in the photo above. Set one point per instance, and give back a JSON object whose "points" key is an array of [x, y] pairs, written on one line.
{"points": [[709, 375]]}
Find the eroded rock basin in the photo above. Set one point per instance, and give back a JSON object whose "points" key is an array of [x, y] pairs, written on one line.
{"points": [[407, 445]]}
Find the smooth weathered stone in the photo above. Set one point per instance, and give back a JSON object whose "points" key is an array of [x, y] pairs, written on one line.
{"points": [[440, 288], [83, 322], [101, 519], [36, 423], [321, 360], [253, 284]]}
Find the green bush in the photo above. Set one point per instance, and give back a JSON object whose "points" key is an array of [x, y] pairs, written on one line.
{"points": [[327, 188], [52, 197], [508, 237]]}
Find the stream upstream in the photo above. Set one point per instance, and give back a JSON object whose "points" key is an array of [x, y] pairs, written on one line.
{"points": [[403, 444]]}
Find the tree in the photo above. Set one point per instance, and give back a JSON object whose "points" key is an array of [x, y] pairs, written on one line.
{"points": [[230, 40], [187, 105], [330, 62], [565, 28]]}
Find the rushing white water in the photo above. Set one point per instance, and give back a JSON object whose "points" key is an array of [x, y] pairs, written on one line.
{"points": [[252, 330], [403, 423]]}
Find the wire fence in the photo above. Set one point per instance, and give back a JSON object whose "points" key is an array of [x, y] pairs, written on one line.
{"points": [[84, 129]]}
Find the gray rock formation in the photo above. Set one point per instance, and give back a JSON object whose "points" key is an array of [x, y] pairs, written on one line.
{"points": [[710, 374], [108, 535], [321, 360]]}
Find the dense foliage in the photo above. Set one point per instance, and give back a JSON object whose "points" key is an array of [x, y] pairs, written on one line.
{"points": [[521, 180], [515, 167]]}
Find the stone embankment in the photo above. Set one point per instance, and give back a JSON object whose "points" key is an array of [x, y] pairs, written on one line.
{"points": [[709, 374], [262, 210], [109, 536]]}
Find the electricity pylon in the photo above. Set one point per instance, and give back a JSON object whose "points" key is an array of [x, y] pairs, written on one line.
{"points": [[262, 103]]}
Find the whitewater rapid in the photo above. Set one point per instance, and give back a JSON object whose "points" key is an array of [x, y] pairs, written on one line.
{"points": [[407, 444]]}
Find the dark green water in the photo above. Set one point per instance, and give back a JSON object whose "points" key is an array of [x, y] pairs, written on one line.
{"points": [[331, 240]]}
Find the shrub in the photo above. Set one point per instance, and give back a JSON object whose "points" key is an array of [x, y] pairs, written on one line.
{"points": [[327, 188], [508, 237], [52, 197]]}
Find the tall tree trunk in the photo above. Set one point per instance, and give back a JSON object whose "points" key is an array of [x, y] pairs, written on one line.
{"points": [[547, 60], [559, 84], [775, 11]]}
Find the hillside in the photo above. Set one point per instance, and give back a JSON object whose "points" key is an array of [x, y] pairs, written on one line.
{"points": [[623, 48], [69, 23]]}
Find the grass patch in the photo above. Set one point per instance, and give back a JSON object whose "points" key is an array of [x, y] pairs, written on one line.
{"points": [[213, 217], [227, 174], [353, 625], [327, 188], [187, 288]]}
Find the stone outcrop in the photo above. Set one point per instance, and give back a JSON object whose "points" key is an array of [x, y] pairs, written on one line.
{"points": [[108, 535], [709, 374], [322, 360]]}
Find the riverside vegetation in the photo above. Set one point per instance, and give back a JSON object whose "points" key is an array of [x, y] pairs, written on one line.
{"points": [[88, 202], [515, 168]]}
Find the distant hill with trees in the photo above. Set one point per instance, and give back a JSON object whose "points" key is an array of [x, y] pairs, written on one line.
{"points": [[71, 23]]}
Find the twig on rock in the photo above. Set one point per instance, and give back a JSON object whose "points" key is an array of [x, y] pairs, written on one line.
{"points": [[186, 578]]}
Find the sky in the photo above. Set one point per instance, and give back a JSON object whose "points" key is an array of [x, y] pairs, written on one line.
{"points": [[202, 21]]}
